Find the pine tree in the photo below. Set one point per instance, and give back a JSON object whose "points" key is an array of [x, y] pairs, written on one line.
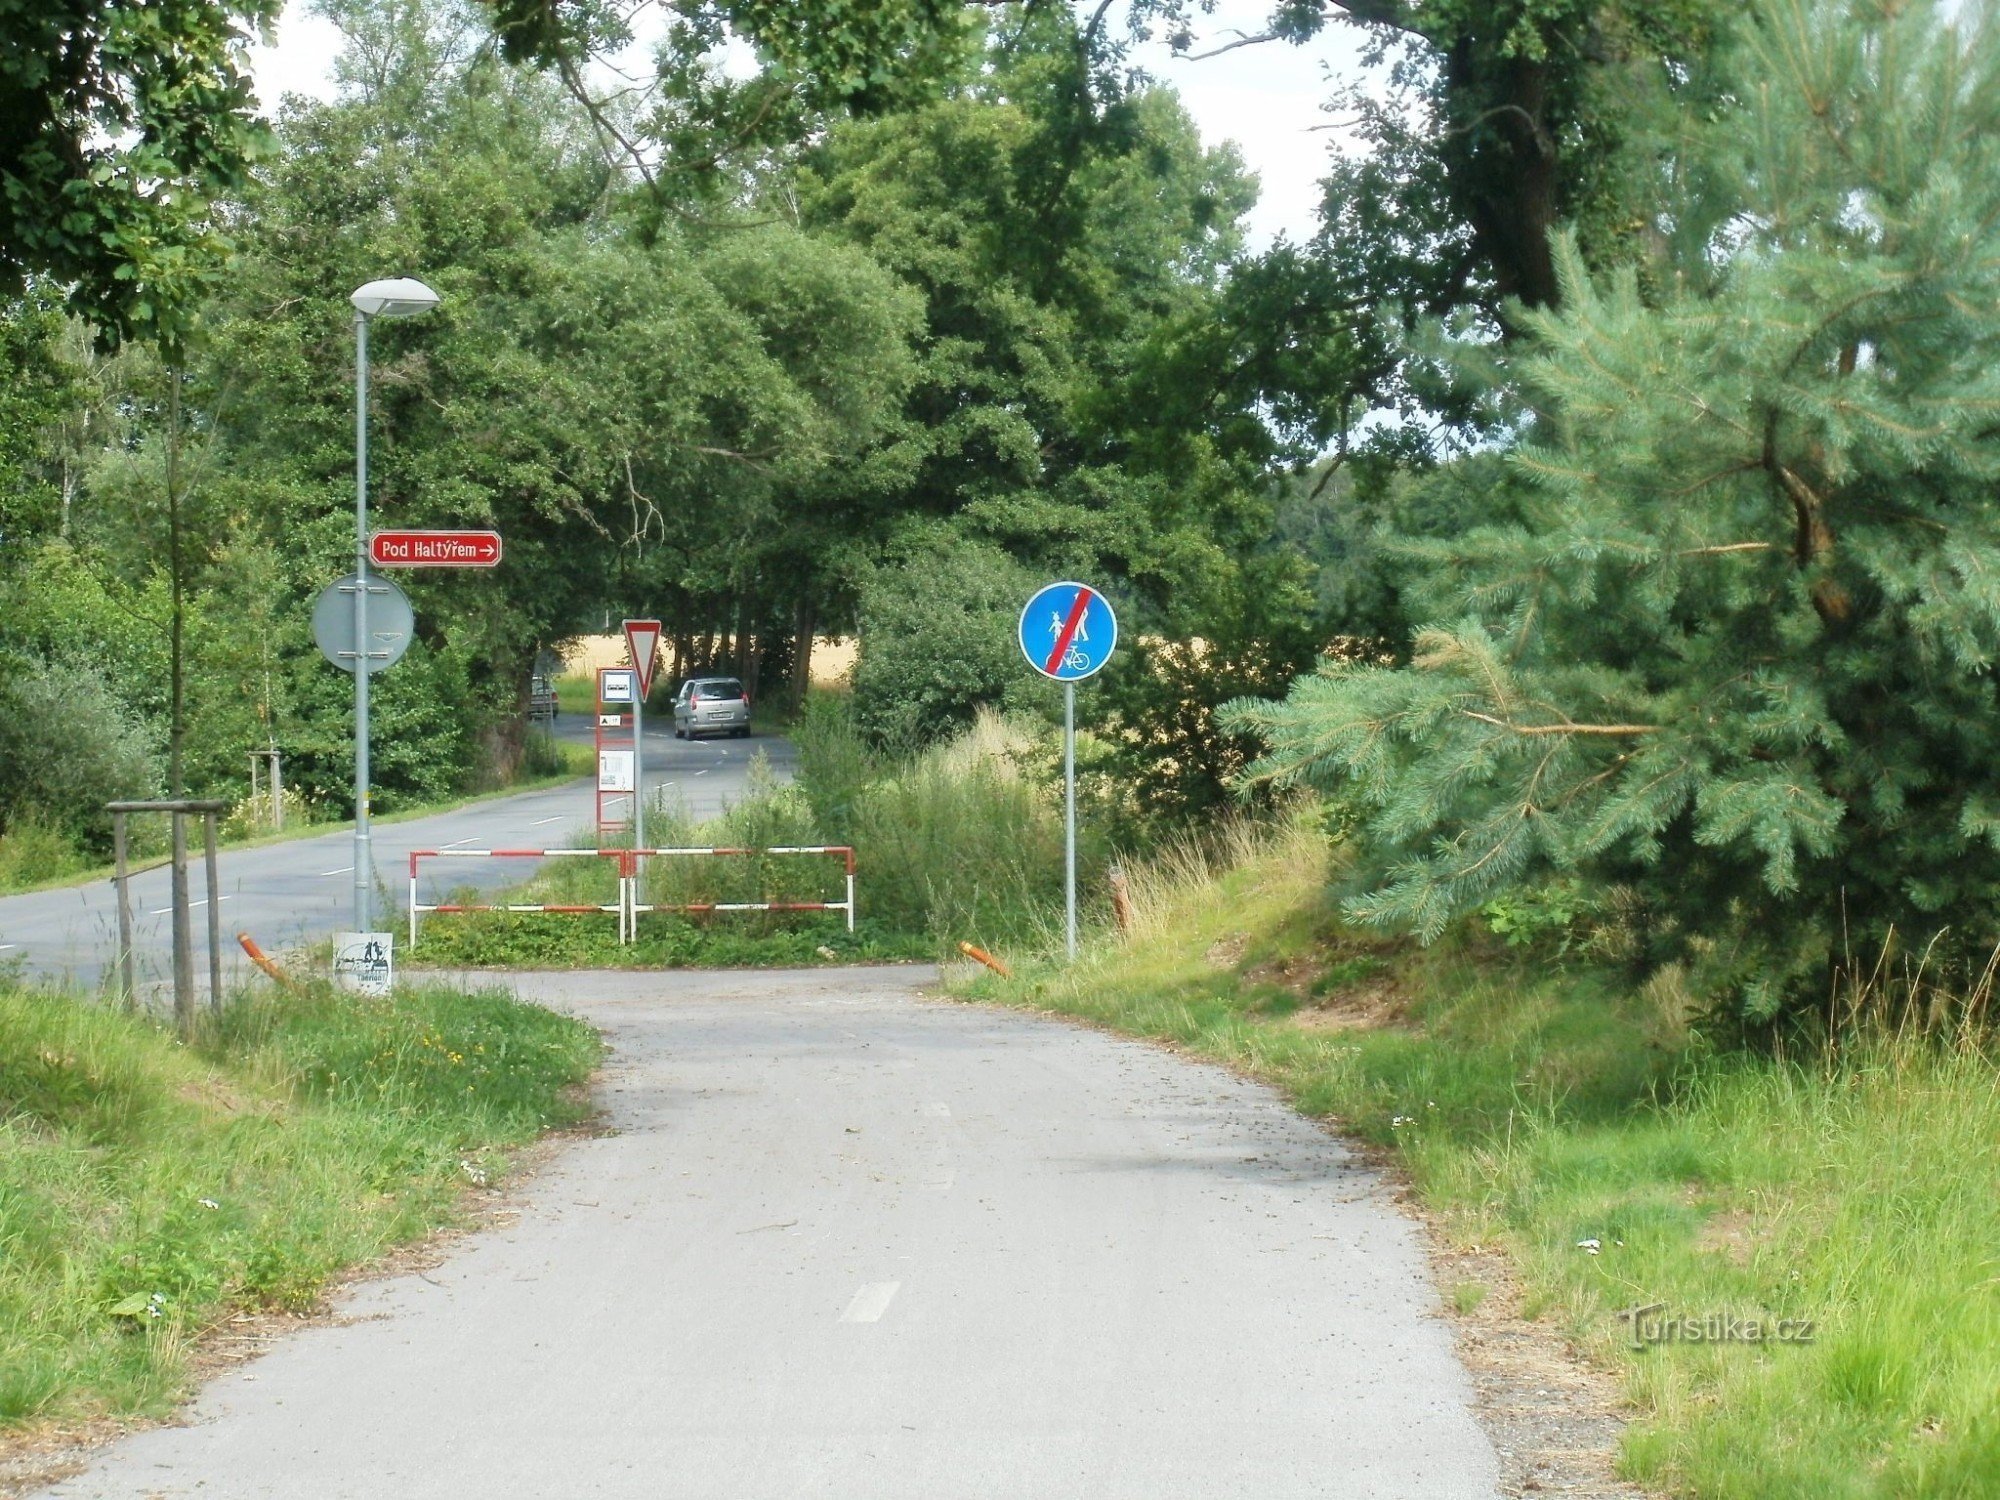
{"points": [[1734, 649]]}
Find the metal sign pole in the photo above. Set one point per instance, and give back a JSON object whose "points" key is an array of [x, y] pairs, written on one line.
{"points": [[1069, 815], [638, 764], [208, 855], [364, 868], [1068, 631], [127, 964]]}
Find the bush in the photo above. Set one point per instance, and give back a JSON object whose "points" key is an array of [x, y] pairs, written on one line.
{"points": [[67, 747], [937, 640], [32, 852]]}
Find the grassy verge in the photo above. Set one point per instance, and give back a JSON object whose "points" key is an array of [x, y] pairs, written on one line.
{"points": [[1625, 1165], [148, 1190], [496, 940]]}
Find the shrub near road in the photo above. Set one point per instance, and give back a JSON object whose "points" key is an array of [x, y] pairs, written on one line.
{"points": [[148, 1190], [1811, 1238]]}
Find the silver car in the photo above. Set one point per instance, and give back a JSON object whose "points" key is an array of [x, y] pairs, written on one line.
{"points": [[711, 705]]}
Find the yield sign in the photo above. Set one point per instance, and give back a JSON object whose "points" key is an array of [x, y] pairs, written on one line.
{"points": [[642, 639]]}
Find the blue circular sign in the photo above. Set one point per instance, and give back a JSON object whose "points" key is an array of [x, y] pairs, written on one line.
{"points": [[1067, 631]]}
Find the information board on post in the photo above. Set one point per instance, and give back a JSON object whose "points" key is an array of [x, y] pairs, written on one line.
{"points": [[363, 962], [617, 743]]}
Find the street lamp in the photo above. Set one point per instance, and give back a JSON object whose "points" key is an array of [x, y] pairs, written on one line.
{"points": [[401, 297]]}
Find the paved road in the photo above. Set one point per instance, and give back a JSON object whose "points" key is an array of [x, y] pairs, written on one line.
{"points": [[850, 1244], [286, 893]]}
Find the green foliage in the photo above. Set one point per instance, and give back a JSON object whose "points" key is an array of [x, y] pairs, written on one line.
{"points": [[1735, 650], [1532, 916], [937, 638], [146, 1188], [963, 848], [31, 852], [67, 747], [732, 941], [121, 121]]}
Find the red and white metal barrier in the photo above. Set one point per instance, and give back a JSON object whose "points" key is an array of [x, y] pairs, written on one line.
{"points": [[845, 854], [417, 906], [629, 906]]}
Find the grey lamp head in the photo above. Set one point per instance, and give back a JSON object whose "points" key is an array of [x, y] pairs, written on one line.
{"points": [[401, 297]]}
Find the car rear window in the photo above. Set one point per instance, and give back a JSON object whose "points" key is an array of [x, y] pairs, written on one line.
{"points": [[712, 690]]}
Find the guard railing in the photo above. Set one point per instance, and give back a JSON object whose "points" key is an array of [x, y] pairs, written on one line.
{"points": [[629, 904]]}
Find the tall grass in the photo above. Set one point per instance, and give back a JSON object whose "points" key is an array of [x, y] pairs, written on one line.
{"points": [[1627, 1163], [146, 1188]]}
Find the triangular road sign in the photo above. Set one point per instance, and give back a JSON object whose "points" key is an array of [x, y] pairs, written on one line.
{"points": [[642, 639]]}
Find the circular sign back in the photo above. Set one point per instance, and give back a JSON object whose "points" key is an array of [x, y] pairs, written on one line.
{"points": [[390, 622], [1068, 631]]}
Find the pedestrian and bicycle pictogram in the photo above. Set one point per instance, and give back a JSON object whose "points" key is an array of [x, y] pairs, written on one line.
{"points": [[1068, 631]]}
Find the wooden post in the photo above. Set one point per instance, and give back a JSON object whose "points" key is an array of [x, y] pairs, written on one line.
{"points": [[214, 913], [126, 963], [183, 933], [1121, 898]]}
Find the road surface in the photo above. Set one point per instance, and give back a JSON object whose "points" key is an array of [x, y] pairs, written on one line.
{"points": [[286, 893], [851, 1244]]}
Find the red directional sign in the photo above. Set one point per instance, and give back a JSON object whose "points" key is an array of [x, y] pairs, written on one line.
{"points": [[435, 549]]}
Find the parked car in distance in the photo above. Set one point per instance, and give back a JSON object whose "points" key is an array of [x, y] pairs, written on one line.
{"points": [[541, 699], [711, 705]]}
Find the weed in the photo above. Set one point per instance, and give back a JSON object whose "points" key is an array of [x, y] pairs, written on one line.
{"points": [[147, 1188]]}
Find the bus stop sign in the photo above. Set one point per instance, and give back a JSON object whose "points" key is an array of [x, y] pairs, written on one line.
{"points": [[1068, 631]]}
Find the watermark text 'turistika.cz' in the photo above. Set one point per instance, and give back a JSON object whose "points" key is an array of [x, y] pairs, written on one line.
{"points": [[1653, 1324]]}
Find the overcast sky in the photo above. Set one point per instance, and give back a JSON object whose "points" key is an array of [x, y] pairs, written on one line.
{"points": [[1266, 98]]}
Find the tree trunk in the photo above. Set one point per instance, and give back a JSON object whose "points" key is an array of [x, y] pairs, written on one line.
{"points": [[804, 623], [746, 643], [1505, 170], [177, 618]]}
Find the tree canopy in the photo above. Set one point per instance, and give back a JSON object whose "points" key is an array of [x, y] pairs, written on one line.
{"points": [[118, 124]]}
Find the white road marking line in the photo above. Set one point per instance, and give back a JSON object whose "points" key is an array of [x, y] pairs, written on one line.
{"points": [[701, 773], [460, 843], [871, 1302], [544, 822], [343, 870], [161, 911], [6, 947]]}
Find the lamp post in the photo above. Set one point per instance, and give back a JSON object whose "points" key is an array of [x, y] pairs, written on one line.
{"points": [[402, 297]]}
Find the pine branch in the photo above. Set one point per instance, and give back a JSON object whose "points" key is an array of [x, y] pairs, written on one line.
{"points": [[1730, 547], [1563, 728]]}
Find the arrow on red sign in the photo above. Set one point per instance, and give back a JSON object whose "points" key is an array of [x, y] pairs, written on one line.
{"points": [[434, 549]]}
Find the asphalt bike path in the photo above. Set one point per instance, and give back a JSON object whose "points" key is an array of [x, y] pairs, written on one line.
{"points": [[842, 1240]]}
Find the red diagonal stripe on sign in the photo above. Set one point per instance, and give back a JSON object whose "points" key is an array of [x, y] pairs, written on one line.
{"points": [[1076, 614]]}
